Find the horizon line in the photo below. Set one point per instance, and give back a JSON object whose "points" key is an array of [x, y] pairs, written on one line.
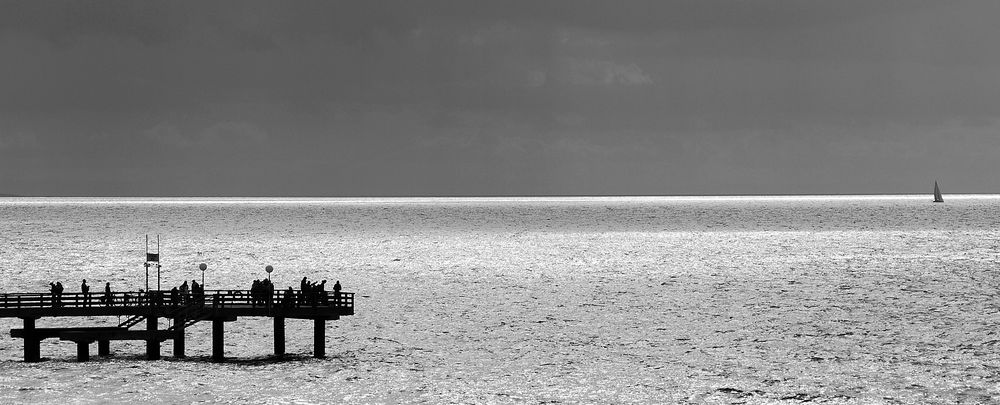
{"points": [[496, 196]]}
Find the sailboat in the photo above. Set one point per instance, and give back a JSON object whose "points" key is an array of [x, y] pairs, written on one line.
{"points": [[937, 193]]}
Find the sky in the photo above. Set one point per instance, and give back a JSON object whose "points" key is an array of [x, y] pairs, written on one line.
{"points": [[498, 98]]}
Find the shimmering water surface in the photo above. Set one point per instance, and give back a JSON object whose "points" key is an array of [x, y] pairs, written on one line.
{"points": [[847, 299]]}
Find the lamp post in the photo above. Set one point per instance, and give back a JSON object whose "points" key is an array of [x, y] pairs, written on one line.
{"points": [[269, 269], [203, 267]]}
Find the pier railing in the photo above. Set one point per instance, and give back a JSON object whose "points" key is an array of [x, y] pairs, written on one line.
{"points": [[184, 309], [159, 298]]}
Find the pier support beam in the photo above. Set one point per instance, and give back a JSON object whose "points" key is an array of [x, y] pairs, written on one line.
{"points": [[152, 343], [218, 340], [319, 338], [32, 344], [279, 336], [103, 347], [82, 350], [179, 338]]}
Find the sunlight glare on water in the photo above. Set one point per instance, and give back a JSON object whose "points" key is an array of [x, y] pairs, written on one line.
{"points": [[844, 299]]}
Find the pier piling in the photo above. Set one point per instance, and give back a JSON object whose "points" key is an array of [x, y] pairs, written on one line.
{"points": [[152, 343], [279, 336], [32, 344], [103, 347], [82, 350], [218, 340], [179, 337], [319, 338]]}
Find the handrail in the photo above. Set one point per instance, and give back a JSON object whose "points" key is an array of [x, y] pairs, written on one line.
{"points": [[162, 298]]}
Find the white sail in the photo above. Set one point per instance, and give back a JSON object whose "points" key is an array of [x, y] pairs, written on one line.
{"points": [[937, 193]]}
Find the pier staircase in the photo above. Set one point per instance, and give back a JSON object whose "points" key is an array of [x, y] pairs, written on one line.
{"points": [[191, 314], [131, 321]]}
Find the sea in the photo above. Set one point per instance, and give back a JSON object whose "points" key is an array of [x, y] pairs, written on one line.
{"points": [[882, 299]]}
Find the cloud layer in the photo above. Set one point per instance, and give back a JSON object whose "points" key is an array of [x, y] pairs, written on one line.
{"points": [[487, 98]]}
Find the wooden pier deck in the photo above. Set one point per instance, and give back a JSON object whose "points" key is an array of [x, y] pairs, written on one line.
{"points": [[216, 306]]}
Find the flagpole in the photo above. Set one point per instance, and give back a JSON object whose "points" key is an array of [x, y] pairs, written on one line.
{"points": [[158, 262]]}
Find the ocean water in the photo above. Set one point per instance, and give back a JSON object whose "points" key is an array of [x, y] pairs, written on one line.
{"points": [[834, 299]]}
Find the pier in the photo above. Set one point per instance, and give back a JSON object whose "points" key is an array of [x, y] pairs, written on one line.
{"points": [[215, 306]]}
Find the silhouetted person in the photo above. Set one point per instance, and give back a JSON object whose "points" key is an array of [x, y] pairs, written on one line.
{"points": [[311, 294], [86, 292], [197, 292], [174, 296], [107, 295], [184, 291], [55, 297], [256, 295], [289, 300], [59, 291], [336, 293]]}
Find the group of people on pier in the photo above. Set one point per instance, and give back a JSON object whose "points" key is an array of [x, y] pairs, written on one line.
{"points": [[185, 294], [310, 293], [262, 293], [57, 291]]}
